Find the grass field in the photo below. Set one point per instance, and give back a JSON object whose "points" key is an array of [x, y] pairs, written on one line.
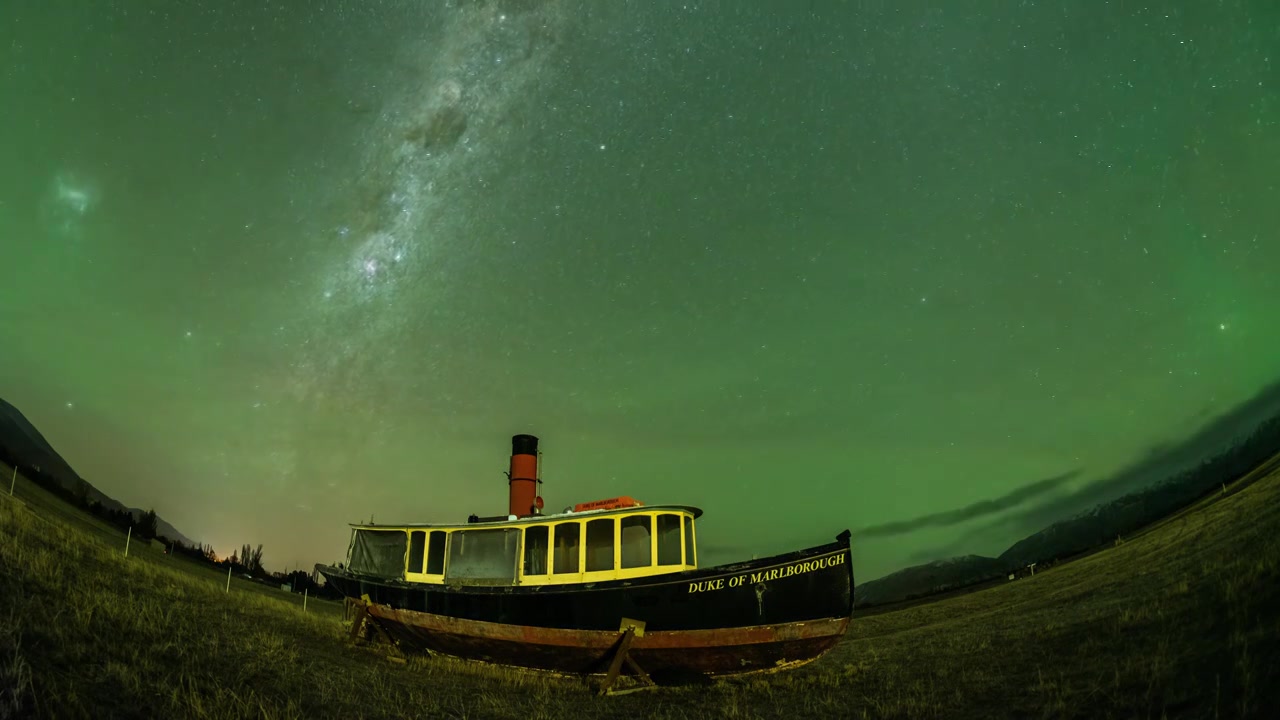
{"points": [[49, 506], [1182, 621]]}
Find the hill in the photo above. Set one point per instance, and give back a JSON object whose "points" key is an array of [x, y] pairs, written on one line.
{"points": [[23, 446], [929, 578], [1167, 480], [1107, 522]]}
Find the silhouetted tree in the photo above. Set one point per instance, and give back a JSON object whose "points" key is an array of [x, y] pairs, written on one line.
{"points": [[146, 525], [251, 558]]}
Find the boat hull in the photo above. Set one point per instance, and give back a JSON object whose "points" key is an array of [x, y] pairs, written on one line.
{"points": [[746, 617], [724, 651]]}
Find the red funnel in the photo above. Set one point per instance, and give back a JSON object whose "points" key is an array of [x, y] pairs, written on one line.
{"points": [[524, 480]]}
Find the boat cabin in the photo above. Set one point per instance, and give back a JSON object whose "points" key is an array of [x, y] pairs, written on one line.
{"points": [[612, 539], [610, 543]]}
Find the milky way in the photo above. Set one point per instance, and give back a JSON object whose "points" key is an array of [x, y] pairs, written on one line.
{"points": [[433, 143]]}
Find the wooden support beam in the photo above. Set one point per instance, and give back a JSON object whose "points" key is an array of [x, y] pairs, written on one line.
{"points": [[619, 655], [364, 620], [639, 671], [630, 630], [380, 631], [357, 621]]}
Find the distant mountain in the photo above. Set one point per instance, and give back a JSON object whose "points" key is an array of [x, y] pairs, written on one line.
{"points": [[1163, 463], [1104, 522], [1224, 450], [930, 578], [22, 445]]}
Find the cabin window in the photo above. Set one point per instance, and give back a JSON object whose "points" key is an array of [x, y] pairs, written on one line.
{"points": [[600, 544], [668, 539], [689, 556], [417, 548], [637, 541], [435, 552], [536, 546], [379, 552], [483, 557], [566, 547]]}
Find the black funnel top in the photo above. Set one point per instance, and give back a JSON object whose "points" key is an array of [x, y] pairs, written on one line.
{"points": [[524, 445]]}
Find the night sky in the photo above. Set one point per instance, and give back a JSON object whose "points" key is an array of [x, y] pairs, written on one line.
{"points": [[271, 268]]}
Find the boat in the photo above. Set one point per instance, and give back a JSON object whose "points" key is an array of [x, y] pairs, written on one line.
{"points": [[574, 591]]}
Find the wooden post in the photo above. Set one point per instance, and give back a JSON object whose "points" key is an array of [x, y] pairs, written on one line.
{"points": [[127, 538], [358, 621], [616, 664], [15, 480], [304, 599], [630, 630], [229, 566]]}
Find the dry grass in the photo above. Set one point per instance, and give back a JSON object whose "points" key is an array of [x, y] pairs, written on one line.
{"points": [[1180, 622]]}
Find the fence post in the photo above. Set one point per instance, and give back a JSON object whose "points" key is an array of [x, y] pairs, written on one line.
{"points": [[15, 479], [127, 538], [228, 578], [304, 599]]}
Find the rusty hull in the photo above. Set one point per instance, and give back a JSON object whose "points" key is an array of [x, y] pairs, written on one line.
{"points": [[722, 651]]}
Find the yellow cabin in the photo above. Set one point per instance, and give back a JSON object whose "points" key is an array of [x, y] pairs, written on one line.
{"points": [[571, 547]]}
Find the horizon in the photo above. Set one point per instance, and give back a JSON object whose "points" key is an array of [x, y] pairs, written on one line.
{"points": [[1232, 432], [933, 273]]}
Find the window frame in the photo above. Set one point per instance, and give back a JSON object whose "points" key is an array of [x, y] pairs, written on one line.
{"points": [[650, 521], [613, 545], [686, 560], [576, 572], [516, 559], [549, 555], [418, 549]]}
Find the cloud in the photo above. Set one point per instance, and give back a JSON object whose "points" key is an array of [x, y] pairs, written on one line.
{"points": [[969, 512]]}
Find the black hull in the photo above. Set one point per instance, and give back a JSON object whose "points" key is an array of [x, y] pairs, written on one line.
{"points": [[808, 585]]}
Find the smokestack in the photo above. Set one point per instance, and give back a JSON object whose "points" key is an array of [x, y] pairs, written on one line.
{"points": [[523, 478]]}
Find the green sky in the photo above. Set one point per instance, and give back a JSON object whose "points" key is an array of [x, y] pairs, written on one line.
{"points": [[807, 265]]}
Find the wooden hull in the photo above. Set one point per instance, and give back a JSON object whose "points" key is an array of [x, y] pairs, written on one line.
{"points": [[746, 617], [709, 652]]}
